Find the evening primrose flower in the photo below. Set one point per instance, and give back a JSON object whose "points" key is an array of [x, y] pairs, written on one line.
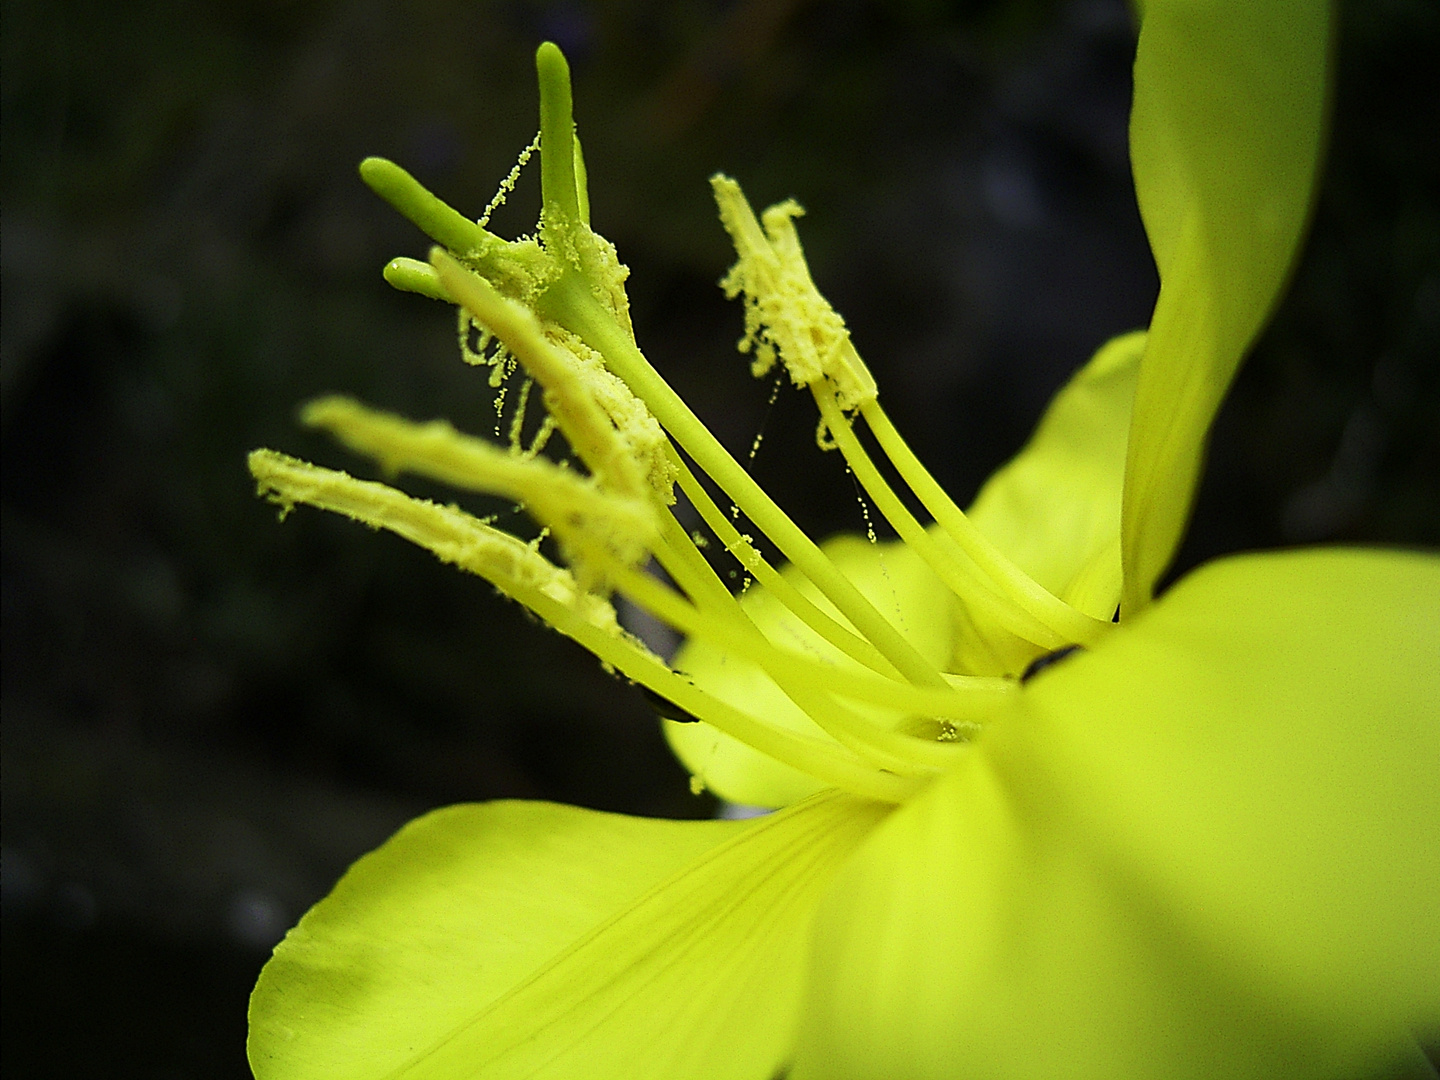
{"points": [[1031, 823]]}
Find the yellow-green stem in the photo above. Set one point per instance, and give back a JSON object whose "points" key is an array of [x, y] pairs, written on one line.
{"points": [[800, 678]]}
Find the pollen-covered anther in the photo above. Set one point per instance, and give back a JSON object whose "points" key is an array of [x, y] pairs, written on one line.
{"points": [[596, 529], [786, 317], [514, 567], [605, 423]]}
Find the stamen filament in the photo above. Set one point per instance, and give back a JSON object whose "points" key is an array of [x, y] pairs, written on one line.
{"points": [[889, 749], [695, 576], [844, 639], [819, 759], [574, 307], [953, 572], [523, 574], [968, 698], [1071, 625]]}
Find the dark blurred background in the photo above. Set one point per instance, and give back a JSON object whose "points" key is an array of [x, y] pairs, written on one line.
{"points": [[208, 714]]}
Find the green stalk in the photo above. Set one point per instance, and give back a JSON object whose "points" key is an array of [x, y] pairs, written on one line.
{"points": [[800, 678], [848, 642], [696, 577]]}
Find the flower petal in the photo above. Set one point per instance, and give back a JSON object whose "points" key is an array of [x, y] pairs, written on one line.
{"points": [[1225, 140], [1207, 848], [529, 939], [1054, 509], [1266, 747], [891, 577]]}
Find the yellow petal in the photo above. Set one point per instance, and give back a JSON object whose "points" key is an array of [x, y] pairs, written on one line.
{"points": [[1054, 509], [1225, 139], [892, 578], [1207, 848], [533, 940], [1265, 745]]}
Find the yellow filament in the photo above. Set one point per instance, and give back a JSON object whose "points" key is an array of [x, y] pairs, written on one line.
{"points": [[847, 641], [1072, 625], [525, 575], [800, 678], [953, 572]]}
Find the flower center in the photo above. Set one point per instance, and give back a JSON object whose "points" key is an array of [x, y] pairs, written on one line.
{"points": [[556, 308]]}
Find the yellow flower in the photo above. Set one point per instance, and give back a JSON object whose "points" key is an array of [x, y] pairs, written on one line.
{"points": [[1020, 835]]}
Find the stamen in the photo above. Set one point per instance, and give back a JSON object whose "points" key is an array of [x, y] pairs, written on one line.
{"points": [[953, 572], [528, 577], [847, 641], [580, 312], [682, 560], [966, 698], [824, 761], [597, 529], [785, 315], [798, 678], [787, 319], [449, 533], [1067, 622]]}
